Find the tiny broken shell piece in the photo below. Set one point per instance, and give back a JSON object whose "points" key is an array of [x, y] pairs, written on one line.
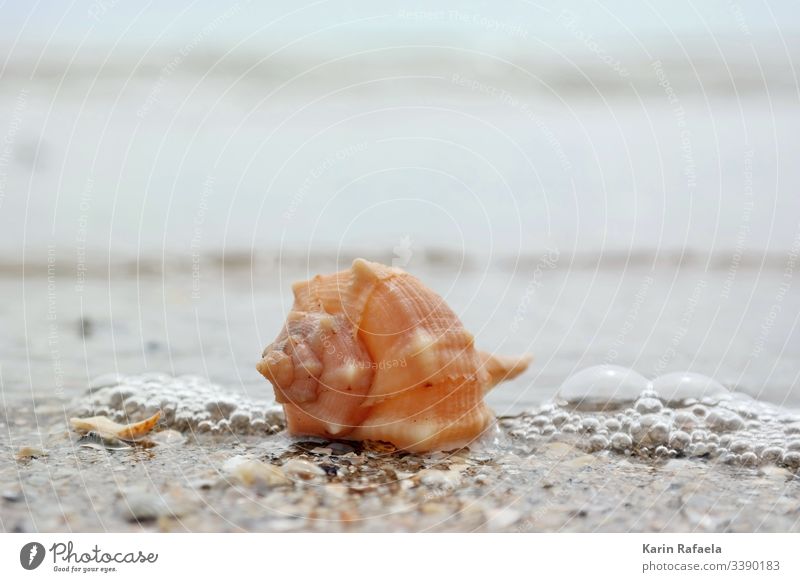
{"points": [[93, 440], [105, 427]]}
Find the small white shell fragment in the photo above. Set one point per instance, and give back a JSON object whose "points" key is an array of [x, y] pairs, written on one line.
{"points": [[302, 469], [105, 427], [252, 472]]}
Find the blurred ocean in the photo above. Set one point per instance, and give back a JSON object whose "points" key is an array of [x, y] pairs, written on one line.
{"points": [[150, 132], [497, 150]]}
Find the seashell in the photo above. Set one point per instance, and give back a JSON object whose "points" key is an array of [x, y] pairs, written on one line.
{"points": [[370, 353], [105, 427]]}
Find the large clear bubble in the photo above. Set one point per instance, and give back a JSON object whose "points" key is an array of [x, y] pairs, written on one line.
{"points": [[686, 386], [602, 387]]}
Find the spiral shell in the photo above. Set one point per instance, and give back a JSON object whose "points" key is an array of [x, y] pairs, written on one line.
{"points": [[370, 353]]}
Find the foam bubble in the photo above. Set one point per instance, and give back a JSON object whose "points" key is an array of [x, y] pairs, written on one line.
{"points": [[186, 402], [602, 387], [676, 415], [685, 386], [602, 408]]}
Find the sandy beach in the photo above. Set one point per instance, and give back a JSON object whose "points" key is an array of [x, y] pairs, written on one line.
{"points": [[551, 482]]}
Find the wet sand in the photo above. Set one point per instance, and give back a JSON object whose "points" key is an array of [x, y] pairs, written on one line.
{"points": [[736, 325], [272, 483]]}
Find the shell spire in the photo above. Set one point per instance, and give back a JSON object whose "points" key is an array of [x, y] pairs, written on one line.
{"points": [[370, 353]]}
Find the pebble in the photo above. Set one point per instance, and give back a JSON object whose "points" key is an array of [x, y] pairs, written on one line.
{"points": [[437, 479], [25, 453], [143, 507], [11, 495]]}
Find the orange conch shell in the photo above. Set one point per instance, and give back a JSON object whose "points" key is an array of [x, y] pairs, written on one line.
{"points": [[370, 353]]}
